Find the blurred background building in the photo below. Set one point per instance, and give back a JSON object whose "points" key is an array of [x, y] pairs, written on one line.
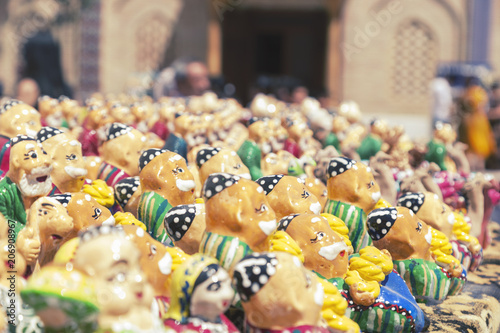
{"points": [[382, 54]]}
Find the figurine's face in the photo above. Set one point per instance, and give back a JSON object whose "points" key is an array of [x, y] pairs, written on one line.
{"points": [[69, 169], [155, 261], [436, 214], [20, 119], [168, 175], [30, 168], [299, 130], [340, 124], [124, 151], [291, 196], [324, 250], [292, 297], [86, 212], [224, 161], [113, 262], [99, 117], [184, 123], [141, 112], [212, 297], [380, 128], [261, 132], [318, 189], [445, 133], [276, 164], [356, 186], [409, 237], [122, 114], [241, 210]]}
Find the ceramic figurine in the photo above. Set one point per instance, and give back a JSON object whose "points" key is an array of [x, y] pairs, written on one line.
{"points": [[300, 134], [251, 155], [68, 173], [436, 148], [352, 193], [28, 179], [318, 189], [276, 163], [409, 240], [288, 195], [239, 219], [121, 113], [323, 158], [124, 296], [166, 182], [378, 299], [185, 225], [16, 118], [71, 111], [384, 176], [64, 299], [127, 194], [372, 143], [201, 292], [120, 153], [98, 117], [260, 132], [85, 212], [274, 306], [51, 112], [213, 160], [48, 224]]}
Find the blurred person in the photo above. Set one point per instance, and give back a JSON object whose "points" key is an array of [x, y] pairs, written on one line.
{"points": [[442, 100], [28, 92], [298, 94], [185, 77]]}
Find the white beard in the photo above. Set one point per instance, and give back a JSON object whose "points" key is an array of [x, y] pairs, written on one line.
{"points": [[30, 187], [75, 172]]}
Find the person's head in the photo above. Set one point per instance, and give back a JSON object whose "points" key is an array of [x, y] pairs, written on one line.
{"points": [[299, 93], [191, 76], [29, 166], [28, 91]]}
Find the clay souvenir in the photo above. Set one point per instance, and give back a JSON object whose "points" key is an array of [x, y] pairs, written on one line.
{"points": [[318, 189], [85, 212], [121, 113], [51, 112], [124, 296], [64, 299], [98, 116], [323, 158], [120, 153], [16, 118], [378, 299], [260, 132], [301, 135], [201, 293], [276, 163], [127, 194], [410, 242], [213, 160], [251, 155], [289, 195], [274, 306], [182, 137], [185, 225], [28, 179], [372, 143], [436, 148], [352, 193], [71, 111], [166, 182], [238, 217], [144, 115], [48, 224], [68, 173], [384, 176]]}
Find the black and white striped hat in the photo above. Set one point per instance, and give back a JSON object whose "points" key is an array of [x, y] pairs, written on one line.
{"points": [[125, 189], [253, 272], [178, 220], [269, 182], [412, 201], [380, 221], [217, 182], [46, 133], [205, 154], [149, 155], [339, 165]]}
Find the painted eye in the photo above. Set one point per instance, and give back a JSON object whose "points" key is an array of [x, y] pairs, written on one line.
{"points": [[71, 157], [153, 249], [262, 209], [419, 227], [319, 236], [214, 286], [237, 166], [305, 194], [371, 184], [44, 152], [97, 213], [177, 170], [308, 281]]}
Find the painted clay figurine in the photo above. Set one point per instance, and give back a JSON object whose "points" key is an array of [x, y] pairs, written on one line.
{"points": [[201, 292], [239, 219], [213, 160], [166, 182], [185, 225], [127, 194], [352, 193]]}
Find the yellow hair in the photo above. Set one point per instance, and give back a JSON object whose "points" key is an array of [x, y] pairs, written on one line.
{"points": [[441, 252], [101, 192], [371, 287], [461, 231], [282, 242], [381, 258], [333, 310], [128, 219], [382, 203], [338, 226], [66, 252], [366, 270]]}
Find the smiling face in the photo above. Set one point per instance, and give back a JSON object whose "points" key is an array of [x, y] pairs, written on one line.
{"points": [[241, 210], [324, 250], [212, 297], [20, 119], [120, 284], [167, 174], [355, 186], [291, 196], [407, 238], [30, 168]]}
